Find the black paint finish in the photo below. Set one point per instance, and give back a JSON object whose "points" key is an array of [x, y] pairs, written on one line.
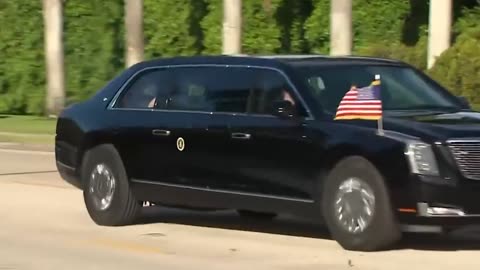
{"points": [[259, 162]]}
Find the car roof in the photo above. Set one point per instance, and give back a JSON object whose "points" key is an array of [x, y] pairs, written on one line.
{"points": [[309, 57], [276, 61]]}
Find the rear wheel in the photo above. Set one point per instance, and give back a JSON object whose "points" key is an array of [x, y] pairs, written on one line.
{"points": [[106, 191], [357, 207]]}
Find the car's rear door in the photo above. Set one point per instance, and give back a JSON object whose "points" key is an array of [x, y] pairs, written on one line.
{"points": [[167, 130], [140, 125]]}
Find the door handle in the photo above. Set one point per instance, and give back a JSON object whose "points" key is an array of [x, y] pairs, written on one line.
{"points": [[241, 136], [160, 132]]}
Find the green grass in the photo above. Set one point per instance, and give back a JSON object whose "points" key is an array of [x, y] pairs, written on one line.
{"points": [[27, 129], [27, 124]]}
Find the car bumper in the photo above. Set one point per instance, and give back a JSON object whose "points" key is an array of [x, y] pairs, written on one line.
{"points": [[69, 175], [443, 205], [65, 156]]}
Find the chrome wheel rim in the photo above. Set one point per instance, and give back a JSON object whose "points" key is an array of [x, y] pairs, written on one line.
{"points": [[354, 205], [102, 186]]}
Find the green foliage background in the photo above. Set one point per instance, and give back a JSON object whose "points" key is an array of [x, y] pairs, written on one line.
{"points": [[458, 68], [94, 39], [22, 76], [93, 45]]}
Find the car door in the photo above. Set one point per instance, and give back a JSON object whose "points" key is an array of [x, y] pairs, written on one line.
{"points": [[162, 124], [141, 127], [212, 97], [273, 156], [200, 142]]}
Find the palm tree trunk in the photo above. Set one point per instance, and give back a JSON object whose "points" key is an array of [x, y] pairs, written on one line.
{"points": [[54, 56], [440, 27], [341, 27], [134, 32], [232, 26]]}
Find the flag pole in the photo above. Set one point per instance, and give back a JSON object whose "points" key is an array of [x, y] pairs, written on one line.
{"points": [[380, 120], [380, 127]]}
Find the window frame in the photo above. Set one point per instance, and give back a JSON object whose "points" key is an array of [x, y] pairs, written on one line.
{"points": [[128, 85], [293, 91], [125, 85]]}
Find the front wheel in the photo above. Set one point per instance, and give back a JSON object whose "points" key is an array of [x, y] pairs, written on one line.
{"points": [[357, 207], [106, 190]]}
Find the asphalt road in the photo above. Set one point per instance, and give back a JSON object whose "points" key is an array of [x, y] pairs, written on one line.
{"points": [[44, 225]]}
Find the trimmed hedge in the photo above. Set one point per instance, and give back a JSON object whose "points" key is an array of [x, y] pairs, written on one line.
{"points": [[374, 22], [94, 39], [458, 68], [94, 45], [173, 27], [22, 75], [261, 33]]}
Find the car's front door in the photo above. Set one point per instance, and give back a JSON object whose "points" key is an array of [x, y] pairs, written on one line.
{"points": [[274, 156]]}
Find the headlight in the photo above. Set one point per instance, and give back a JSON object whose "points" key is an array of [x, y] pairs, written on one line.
{"points": [[421, 158]]}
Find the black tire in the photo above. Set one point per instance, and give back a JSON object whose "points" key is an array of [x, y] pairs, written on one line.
{"points": [[383, 230], [256, 215], [124, 208]]}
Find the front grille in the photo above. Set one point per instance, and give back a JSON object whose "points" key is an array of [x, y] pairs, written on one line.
{"points": [[467, 156]]}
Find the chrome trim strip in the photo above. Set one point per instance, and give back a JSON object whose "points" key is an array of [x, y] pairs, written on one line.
{"points": [[65, 166], [421, 228], [123, 87], [467, 140], [223, 191], [464, 164], [424, 210], [198, 112]]}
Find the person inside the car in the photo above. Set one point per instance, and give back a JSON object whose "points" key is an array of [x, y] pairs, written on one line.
{"points": [[287, 97], [152, 102]]}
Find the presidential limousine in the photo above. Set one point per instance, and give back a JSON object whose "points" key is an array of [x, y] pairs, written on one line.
{"points": [[261, 135]]}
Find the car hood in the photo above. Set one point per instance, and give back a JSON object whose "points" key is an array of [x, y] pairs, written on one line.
{"points": [[436, 126]]}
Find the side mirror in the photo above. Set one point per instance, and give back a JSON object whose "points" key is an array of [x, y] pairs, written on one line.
{"points": [[464, 102], [284, 109]]}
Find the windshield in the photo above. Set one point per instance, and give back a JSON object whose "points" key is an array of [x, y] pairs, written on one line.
{"points": [[402, 88]]}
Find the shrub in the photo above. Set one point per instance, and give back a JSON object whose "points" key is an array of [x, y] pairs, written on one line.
{"points": [[22, 76], [94, 45], [415, 55], [458, 68], [261, 34], [173, 27], [291, 17], [374, 21]]}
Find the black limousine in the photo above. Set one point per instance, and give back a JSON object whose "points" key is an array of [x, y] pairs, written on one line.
{"points": [[258, 134]]}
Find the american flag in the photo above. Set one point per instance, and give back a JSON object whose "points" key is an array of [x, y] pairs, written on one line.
{"points": [[361, 103]]}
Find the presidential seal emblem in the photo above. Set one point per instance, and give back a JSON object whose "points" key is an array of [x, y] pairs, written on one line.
{"points": [[180, 144]]}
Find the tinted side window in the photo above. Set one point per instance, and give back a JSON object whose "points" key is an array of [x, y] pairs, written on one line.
{"points": [[211, 89], [148, 89], [271, 86]]}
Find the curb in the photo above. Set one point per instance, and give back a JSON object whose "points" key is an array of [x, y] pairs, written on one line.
{"points": [[27, 147], [26, 134]]}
